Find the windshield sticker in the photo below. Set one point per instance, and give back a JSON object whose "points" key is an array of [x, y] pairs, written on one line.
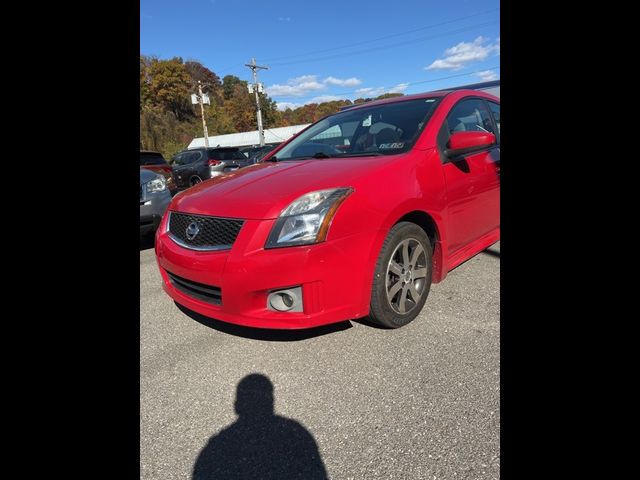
{"points": [[390, 145]]}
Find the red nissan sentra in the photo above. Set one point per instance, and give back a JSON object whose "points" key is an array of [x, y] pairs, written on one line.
{"points": [[356, 215]]}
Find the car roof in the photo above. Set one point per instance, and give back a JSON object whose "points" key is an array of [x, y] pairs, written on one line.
{"points": [[209, 148], [403, 98], [434, 94]]}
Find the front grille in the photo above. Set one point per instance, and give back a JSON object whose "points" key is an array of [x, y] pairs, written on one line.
{"points": [[213, 233], [206, 293]]}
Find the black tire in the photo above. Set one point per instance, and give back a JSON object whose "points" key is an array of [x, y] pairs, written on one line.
{"points": [[388, 311]]}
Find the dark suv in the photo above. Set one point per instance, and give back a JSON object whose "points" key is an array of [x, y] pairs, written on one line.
{"points": [[155, 162], [190, 167]]}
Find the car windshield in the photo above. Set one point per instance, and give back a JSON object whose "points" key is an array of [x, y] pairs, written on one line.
{"points": [[386, 129]]}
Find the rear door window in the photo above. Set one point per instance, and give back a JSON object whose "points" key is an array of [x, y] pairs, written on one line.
{"points": [[152, 159]]}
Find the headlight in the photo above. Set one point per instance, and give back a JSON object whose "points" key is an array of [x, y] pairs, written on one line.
{"points": [[156, 185], [307, 219]]}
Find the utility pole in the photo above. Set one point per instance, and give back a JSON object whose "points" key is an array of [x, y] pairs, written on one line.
{"points": [[201, 100], [255, 87]]}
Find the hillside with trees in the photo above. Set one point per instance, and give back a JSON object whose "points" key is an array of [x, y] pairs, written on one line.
{"points": [[168, 120]]}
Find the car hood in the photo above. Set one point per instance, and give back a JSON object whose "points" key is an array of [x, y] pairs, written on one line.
{"points": [[263, 190]]}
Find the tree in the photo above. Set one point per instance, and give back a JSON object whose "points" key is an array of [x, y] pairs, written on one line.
{"points": [[145, 80], [170, 87], [199, 72], [271, 116], [229, 84], [389, 95]]}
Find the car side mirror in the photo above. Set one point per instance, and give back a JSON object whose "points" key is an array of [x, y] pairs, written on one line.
{"points": [[461, 143]]}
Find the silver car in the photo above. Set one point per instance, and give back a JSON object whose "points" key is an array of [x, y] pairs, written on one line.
{"points": [[154, 200]]}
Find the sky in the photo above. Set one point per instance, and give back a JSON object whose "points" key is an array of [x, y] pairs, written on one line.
{"points": [[330, 50]]}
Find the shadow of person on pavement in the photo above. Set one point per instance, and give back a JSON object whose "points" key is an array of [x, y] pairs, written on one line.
{"points": [[260, 444]]}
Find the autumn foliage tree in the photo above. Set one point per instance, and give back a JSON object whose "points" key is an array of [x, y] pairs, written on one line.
{"points": [[168, 120]]}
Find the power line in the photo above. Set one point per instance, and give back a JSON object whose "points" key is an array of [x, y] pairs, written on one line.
{"points": [[383, 38], [376, 49], [238, 68]]}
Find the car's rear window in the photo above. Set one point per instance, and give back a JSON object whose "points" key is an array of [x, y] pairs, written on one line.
{"points": [[152, 159], [226, 154]]}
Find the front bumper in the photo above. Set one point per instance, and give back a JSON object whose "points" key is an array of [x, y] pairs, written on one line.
{"points": [[334, 277]]}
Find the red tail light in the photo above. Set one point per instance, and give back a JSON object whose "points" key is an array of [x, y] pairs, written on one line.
{"points": [[213, 163], [167, 169]]}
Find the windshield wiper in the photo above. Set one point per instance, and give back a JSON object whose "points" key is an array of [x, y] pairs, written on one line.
{"points": [[304, 157], [324, 155], [363, 154]]}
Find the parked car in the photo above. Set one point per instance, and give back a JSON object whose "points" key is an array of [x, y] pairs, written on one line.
{"points": [[154, 200], [315, 234], [191, 167], [255, 154], [155, 162]]}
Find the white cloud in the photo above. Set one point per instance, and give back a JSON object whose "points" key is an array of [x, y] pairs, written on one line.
{"points": [[377, 91], [401, 87], [296, 87], [487, 75], [319, 99], [347, 82], [367, 92], [284, 19], [305, 84], [282, 106], [463, 53], [324, 98]]}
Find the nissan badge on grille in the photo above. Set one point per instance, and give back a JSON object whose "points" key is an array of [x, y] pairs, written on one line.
{"points": [[192, 230]]}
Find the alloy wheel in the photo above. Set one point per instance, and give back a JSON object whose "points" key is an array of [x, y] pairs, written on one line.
{"points": [[406, 275]]}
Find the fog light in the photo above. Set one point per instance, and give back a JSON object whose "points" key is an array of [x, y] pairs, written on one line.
{"points": [[287, 300]]}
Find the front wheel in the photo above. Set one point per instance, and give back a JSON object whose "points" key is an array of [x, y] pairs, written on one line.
{"points": [[402, 277]]}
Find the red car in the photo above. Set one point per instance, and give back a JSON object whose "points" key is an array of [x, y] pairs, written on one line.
{"points": [[356, 215]]}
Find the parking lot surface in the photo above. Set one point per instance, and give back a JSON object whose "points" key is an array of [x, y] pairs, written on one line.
{"points": [[351, 401]]}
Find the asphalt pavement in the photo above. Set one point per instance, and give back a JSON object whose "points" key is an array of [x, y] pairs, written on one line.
{"points": [[349, 401]]}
